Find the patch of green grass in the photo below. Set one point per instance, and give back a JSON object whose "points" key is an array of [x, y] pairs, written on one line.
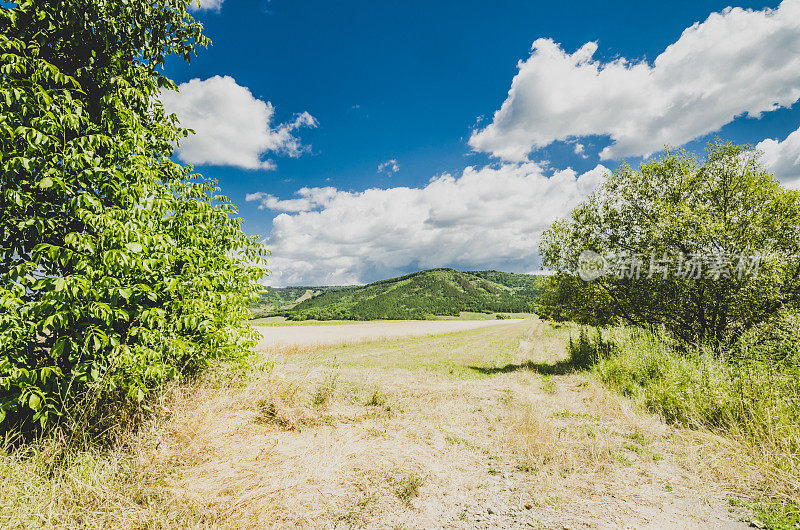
{"points": [[357, 515], [777, 515], [324, 392], [566, 413], [458, 440], [548, 385], [637, 437], [622, 459], [408, 487], [377, 399], [525, 467]]}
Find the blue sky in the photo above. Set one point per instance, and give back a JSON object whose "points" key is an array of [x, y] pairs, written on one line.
{"points": [[318, 95]]}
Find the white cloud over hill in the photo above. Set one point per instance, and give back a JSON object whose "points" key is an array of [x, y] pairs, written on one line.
{"points": [[487, 217]]}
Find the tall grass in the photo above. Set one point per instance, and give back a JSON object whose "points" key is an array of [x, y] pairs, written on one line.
{"points": [[587, 351], [53, 482], [749, 397]]}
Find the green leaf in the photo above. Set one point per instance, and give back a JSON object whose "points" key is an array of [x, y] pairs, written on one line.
{"points": [[34, 402], [45, 183], [134, 247]]}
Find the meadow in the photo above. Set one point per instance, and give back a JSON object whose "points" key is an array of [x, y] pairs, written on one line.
{"points": [[492, 426]]}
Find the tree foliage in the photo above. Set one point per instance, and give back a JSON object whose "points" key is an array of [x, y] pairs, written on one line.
{"points": [[673, 209], [119, 268]]}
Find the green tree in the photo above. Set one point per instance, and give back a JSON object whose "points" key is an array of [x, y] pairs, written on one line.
{"points": [[119, 268], [674, 209]]}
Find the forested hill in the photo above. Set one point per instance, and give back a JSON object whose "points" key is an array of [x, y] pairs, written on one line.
{"points": [[421, 295], [272, 299]]}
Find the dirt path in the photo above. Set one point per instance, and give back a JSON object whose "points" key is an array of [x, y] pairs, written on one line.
{"points": [[387, 434]]}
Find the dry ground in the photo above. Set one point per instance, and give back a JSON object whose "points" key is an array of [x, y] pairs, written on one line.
{"points": [[475, 429]]}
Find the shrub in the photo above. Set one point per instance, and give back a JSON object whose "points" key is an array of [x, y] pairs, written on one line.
{"points": [[119, 269], [408, 487]]}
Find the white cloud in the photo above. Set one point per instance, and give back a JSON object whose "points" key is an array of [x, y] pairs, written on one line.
{"points": [[309, 199], [580, 150], [783, 158], [233, 128], [389, 167], [487, 217], [735, 62], [206, 5]]}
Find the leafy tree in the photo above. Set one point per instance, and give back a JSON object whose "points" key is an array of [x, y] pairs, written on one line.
{"points": [[674, 209], [119, 268]]}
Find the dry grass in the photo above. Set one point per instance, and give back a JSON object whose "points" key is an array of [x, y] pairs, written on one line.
{"points": [[52, 485], [419, 432], [291, 450], [559, 457]]}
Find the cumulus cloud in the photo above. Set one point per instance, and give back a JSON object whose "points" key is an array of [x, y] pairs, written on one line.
{"points": [[735, 62], [308, 199], [233, 128], [782, 158], [206, 5], [486, 217], [389, 167]]}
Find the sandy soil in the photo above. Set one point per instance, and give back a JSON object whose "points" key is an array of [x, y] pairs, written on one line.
{"points": [[352, 333]]}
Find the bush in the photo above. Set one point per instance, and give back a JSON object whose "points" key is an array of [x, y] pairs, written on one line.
{"points": [[119, 269]]}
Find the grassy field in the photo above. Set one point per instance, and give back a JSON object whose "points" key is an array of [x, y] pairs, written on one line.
{"points": [[471, 354], [478, 428]]}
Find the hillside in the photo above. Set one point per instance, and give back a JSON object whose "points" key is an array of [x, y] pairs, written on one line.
{"points": [[422, 295], [275, 298]]}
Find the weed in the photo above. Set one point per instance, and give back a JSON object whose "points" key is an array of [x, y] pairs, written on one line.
{"points": [[376, 399], [566, 414], [637, 437], [408, 487], [777, 515], [324, 392], [586, 352], [750, 399]]}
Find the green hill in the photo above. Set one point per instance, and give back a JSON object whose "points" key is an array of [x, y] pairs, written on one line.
{"points": [[421, 295], [272, 299]]}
